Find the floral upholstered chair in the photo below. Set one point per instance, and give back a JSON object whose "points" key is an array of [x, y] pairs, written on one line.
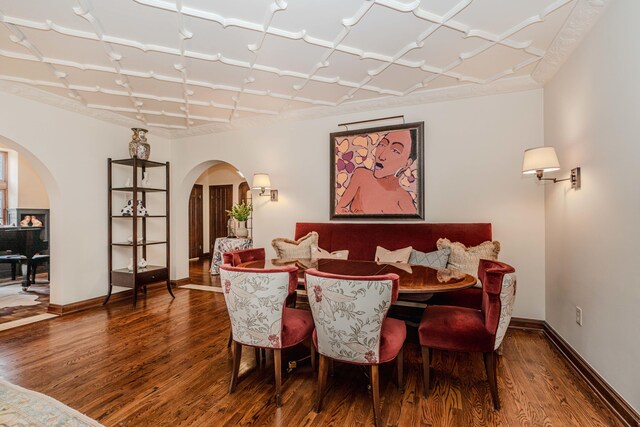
{"points": [[471, 330], [350, 315], [255, 300]]}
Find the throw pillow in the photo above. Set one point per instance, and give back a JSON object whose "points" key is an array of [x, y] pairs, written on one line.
{"points": [[467, 259], [301, 248], [435, 259], [399, 255], [319, 253]]}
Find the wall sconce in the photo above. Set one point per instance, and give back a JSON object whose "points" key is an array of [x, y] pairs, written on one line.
{"points": [[262, 182], [544, 159]]}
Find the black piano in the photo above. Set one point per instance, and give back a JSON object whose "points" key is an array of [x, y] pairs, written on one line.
{"points": [[24, 241]]}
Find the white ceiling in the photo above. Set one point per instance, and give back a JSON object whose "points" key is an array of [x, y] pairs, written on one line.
{"points": [[184, 64]]}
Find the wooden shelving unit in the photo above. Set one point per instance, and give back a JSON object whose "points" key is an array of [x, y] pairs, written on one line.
{"points": [[139, 278]]}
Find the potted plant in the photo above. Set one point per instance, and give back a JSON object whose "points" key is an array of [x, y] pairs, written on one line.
{"points": [[241, 212]]}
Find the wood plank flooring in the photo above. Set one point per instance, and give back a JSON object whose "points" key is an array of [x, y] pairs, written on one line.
{"points": [[167, 364]]}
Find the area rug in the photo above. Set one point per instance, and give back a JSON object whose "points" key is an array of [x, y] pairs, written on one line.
{"points": [[22, 407], [14, 296]]}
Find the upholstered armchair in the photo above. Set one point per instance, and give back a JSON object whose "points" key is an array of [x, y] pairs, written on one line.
{"points": [[473, 330], [255, 300], [235, 258], [366, 338]]}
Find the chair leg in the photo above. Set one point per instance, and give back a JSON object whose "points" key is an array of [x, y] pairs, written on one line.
{"points": [[400, 366], [490, 366], [375, 392], [426, 361], [312, 351], [237, 355], [258, 355], [323, 370], [230, 338], [277, 362]]}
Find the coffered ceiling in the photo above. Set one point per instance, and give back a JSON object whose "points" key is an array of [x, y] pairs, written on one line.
{"points": [[194, 64]]}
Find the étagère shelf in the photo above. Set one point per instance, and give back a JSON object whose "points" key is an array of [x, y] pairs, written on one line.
{"points": [[139, 278]]}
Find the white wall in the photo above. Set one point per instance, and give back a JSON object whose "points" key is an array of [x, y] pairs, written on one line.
{"points": [[592, 107], [219, 174], [472, 174], [26, 189], [69, 152]]}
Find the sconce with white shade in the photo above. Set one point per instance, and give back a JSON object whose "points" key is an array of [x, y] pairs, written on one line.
{"points": [[262, 182], [544, 159]]}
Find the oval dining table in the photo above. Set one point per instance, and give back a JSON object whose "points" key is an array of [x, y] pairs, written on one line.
{"points": [[417, 283]]}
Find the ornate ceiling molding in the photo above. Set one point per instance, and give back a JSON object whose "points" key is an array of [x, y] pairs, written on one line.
{"points": [[515, 84], [584, 16], [74, 106]]}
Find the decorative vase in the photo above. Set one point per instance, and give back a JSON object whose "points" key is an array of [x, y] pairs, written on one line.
{"points": [[241, 230], [231, 228], [130, 266], [142, 263], [142, 211], [139, 146]]}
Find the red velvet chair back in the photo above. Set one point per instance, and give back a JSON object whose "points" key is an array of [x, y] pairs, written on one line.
{"points": [[492, 275], [235, 258], [361, 239]]}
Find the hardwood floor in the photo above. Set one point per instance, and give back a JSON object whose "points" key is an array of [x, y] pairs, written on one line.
{"points": [[167, 364]]}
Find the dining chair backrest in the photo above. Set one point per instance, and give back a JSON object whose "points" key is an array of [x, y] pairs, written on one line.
{"points": [[255, 301], [238, 257], [498, 296], [348, 312]]}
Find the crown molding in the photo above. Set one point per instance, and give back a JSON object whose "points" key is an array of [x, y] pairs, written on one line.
{"points": [[74, 106], [580, 21], [515, 84]]}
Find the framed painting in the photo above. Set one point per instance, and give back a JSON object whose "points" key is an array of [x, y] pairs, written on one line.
{"points": [[377, 173]]}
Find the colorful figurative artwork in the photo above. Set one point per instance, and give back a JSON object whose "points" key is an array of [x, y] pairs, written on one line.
{"points": [[377, 172]]}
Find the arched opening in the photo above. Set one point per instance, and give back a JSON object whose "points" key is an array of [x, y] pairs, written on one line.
{"points": [[217, 188], [28, 257]]}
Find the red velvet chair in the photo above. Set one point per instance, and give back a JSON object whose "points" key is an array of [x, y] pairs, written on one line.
{"points": [[255, 301], [470, 330], [235, 258], [367, 338]]}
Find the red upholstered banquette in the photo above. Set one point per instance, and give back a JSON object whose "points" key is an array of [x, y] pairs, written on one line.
{"points": [[361, 239]]}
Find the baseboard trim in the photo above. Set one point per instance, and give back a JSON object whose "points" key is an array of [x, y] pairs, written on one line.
{"points": [[77, 306], [527, 324], [625, 413], [181, 282]]}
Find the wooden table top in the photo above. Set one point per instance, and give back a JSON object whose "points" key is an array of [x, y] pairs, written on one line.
{"points": [[414, 279]]}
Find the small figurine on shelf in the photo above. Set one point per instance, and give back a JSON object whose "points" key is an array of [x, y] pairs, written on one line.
{"points": [[130, 266], [25, 221], [35, 222], [127, 210], [142, 211], [142, 263], [146, 182]]}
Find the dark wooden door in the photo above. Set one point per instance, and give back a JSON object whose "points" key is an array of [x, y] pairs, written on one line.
{"points": [[242, 192], [196, 235], [220, 201]]}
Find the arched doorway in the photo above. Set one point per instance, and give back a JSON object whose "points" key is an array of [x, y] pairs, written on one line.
{"points": [[28, 256], [213, 193]]}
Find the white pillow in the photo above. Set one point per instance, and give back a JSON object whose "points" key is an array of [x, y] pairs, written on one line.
{"points": [[467, 259], [319, 253], [399, 255], [292, 249], [435, 259]]}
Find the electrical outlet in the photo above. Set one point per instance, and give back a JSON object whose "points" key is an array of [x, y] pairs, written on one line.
{"points": [[578, 315]]}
